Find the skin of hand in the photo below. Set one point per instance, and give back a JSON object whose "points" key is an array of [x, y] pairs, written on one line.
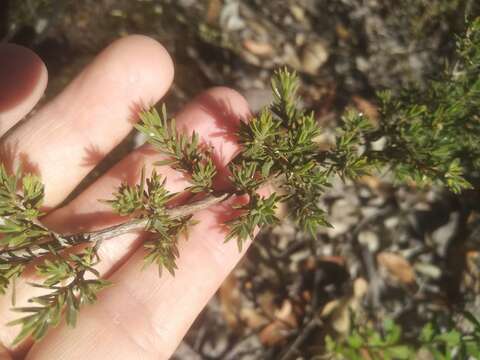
{"points": [[142, 315]]}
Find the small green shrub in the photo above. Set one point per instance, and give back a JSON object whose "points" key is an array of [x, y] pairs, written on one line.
{"points": [[365, 342]]}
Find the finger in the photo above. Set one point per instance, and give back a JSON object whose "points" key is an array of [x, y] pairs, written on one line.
{"points": [[213, 115], [70, 135], [23, 80]]}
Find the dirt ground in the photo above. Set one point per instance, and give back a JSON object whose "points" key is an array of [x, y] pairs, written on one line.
{"points": [[395, 251]]}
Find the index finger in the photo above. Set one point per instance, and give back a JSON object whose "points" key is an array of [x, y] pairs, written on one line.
{"points": [[71, 134]]}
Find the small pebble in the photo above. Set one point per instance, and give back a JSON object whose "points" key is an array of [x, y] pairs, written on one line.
{"points": [[298, 12], [370, 211], [391, 222], [370, 240], [290, 56], [428, 270], [442, 236], [314, 56]]}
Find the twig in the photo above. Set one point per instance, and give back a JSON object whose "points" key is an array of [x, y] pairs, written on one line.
{"points": [[315, 321], [304, 334], [59, 242]]}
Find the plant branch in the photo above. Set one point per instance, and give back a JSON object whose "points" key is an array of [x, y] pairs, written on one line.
{"points": [[60, 242]]}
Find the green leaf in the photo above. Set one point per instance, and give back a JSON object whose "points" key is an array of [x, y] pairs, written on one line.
{"points": [[266, 167], [393, 332], [127, 200], [400, 352], [183, 152], [8, 273], [284, 87], [330, 343], [427, 333], [66, 298], [33, 191], [473, 349], [202, 176], [260, 211], [451, 338], [454, 177], [355, 340], [162, 249]]}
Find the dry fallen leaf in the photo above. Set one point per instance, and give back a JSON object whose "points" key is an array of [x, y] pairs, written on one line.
{"points": [[360, 288], [471, 277], [366, 107], [342, 32], [237, 311], [330, 307], [252, 318], [473, 261], [306, 296], [273, 333], [286, 314], [258, 48], [365, 354], [375, 184], [278, 330], [214, 7], [266, 300], [372, 182], [338, 311], [397, 267]]}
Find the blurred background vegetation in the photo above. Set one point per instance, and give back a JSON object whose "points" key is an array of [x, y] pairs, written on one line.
{"points": [[396, 252]]}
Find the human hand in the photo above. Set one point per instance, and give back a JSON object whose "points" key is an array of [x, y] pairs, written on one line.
{"points": [[141, 316]]}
